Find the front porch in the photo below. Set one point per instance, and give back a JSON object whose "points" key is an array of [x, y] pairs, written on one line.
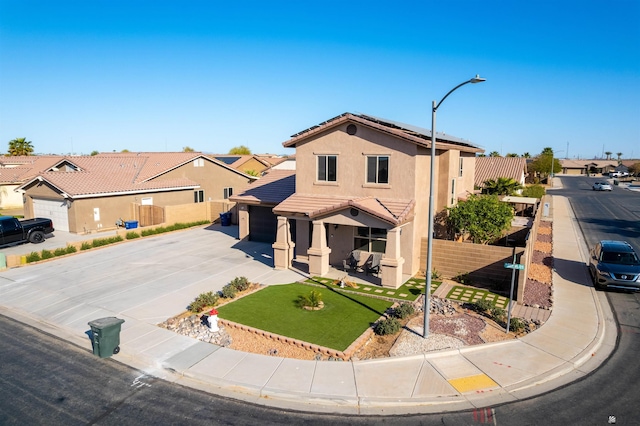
{"points": [[356, 277]]}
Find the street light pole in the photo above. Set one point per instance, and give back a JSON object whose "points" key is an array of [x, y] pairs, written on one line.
{"points": [[427, 290]]}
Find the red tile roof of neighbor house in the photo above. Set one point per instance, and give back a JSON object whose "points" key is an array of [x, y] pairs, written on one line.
{"points": [[313, 206], [122, 173], [488, 168], [271, 189], [407, 132]]}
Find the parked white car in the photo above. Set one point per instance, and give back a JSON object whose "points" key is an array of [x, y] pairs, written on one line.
{"points": [[601, 186]]}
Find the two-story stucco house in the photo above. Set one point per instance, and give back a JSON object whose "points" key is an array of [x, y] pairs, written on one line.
{"points": [[362, 183]]}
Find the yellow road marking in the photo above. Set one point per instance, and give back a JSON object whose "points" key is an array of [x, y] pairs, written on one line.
{"points": [[472, 383]]}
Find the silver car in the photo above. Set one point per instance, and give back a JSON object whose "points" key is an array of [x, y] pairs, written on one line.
{"points": [[601, 186], [614, 264]]}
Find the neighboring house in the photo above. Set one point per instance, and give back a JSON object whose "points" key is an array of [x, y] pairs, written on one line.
{"points": [[16, 170], [89, 193], [362, 183], [492, 168], [585, 167], [254, 165]]}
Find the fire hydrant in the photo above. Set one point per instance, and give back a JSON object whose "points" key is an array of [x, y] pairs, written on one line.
{"points": [[213, 321]]}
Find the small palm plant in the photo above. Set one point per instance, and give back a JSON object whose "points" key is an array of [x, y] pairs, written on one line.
{"points": [[313, 300]]}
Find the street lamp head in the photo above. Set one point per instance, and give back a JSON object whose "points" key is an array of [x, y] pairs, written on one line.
{"points": [[477, 79]]}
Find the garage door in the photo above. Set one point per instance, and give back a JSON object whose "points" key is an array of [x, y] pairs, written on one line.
{"points": [[262, 224], [56, 210]]}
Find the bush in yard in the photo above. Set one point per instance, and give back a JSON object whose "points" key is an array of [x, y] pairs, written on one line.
{"points": [[85, 246], [516, 324], [483, 217], [240, 283], [229, 291], [132, 235], [312, 300], [33, 257], [387, 326], [403, 310], [46, 254], [498, 314], [533, 191], [71, 249], [60, 252], [481, 306], [203, 300]]}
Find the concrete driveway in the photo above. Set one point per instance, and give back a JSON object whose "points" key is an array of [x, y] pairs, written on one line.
{"points": [[145, 280]]}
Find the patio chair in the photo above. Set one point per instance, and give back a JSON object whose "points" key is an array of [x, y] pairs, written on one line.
{"points": [[372, 266], [350, 263]]}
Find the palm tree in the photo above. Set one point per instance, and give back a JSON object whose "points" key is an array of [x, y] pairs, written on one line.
{"points": [[511, 154], [608, 154], [501, 186], [619, 154], [20, 146], [494, 154], [526, 155]]}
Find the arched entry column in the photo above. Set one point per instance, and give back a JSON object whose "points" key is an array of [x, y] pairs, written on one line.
{"points": [[392, 262]]}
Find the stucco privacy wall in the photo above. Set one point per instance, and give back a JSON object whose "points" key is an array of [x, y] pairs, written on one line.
{"points": [[483, 263], [194, 212]]}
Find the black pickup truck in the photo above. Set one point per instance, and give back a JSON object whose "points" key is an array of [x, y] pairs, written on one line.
{"points": [[14, 231]]}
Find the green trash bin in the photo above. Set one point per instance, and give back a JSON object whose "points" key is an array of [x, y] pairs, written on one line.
{"points": [[106, 336]]}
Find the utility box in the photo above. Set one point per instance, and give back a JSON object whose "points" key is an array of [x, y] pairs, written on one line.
{"points": [[106, 336], [545, 210]]}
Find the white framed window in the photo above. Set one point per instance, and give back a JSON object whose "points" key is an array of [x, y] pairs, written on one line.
{"points": [[198, 196], [460, 171], [228, 192], [327, 168], [377, 169], [147, 201], [198, 162]]}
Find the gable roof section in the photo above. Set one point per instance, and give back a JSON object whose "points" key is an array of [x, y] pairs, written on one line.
{"points": [[394, 212], [496, 167], [407, 132], [271, 189], [108, 174]]}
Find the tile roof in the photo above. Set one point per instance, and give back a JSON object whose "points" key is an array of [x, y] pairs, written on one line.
{"points": [[407, 132], [108, 173], [392, 211], [271, 189], [581, 164], [496, 167]]}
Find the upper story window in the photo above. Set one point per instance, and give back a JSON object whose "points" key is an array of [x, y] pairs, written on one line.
{"points": [[460, 171], [378, 169], [327, 168], [228, 192], [198, 162]]}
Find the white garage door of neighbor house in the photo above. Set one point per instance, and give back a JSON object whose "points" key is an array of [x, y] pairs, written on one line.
{"points": [[56, 210]]}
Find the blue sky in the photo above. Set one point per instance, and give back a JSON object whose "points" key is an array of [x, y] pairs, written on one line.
{"points": [[79, 76]]}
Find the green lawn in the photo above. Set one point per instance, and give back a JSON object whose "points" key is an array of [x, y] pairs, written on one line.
{"points": [[342, 320]]}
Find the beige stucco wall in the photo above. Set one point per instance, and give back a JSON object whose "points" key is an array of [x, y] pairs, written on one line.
{"points": [[212, 177], [10, 199]]}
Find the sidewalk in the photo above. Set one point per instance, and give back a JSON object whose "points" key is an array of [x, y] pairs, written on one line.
{"points": [[577, 337]]}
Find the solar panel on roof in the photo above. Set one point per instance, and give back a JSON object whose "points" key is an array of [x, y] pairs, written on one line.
{"points": [[228, 160]]}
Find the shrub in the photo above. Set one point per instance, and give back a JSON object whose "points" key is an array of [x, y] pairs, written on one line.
{"points": [[481, 306], [85, 246], [240, 283], [46, 254], [229, 291], [516, 324], [533, 191], [435, 274], [387, 326], [498, 314], [33, 257], [132, 235], [403, 310], [71, 249], [312, 300], [203, 300], [99, 242], [60, 252], [462, 278]]}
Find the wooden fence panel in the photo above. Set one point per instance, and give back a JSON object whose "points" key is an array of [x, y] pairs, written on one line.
{"points": [[150, 215]]}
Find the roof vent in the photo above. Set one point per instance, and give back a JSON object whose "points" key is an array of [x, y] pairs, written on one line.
{"points": [[352, 129]]}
